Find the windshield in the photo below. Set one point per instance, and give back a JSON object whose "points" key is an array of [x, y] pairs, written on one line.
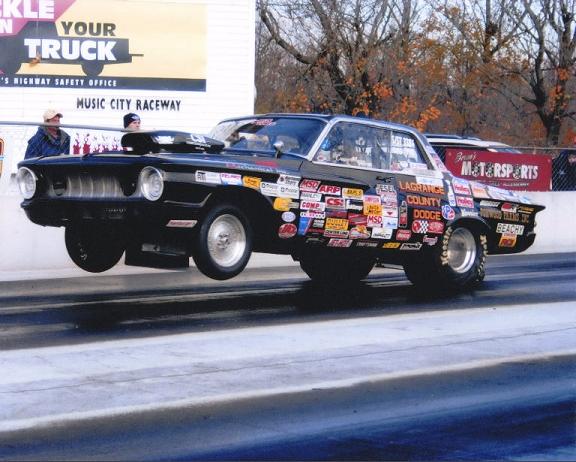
{"points": [[296, 135]]}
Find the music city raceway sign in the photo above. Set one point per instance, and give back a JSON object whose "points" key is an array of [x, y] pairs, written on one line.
{"points": [[110, 44]]}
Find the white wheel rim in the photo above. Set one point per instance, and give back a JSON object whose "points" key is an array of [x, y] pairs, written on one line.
{"points": [[461, 250], [226, 240]]}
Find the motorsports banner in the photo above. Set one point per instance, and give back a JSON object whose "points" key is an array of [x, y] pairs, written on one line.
{"points": [[520, 172], [109, 44]]}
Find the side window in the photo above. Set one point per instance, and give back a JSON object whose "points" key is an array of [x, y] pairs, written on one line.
{"points": [[348, 144], [404, 153], [360, 145]]}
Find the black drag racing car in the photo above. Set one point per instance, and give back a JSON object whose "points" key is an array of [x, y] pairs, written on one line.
{"points": [[338, 193]]}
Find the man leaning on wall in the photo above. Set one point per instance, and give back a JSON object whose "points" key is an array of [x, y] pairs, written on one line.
{"points": [[49, 140]]}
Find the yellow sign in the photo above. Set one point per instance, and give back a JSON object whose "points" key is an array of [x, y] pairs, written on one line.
{"points": [[372, 209], [352, 193], [281, 204], [336, 224], [251, 182], [391, 245]]}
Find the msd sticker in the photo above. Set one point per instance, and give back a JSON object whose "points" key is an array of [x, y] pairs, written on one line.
{"points": [[309, 185]]}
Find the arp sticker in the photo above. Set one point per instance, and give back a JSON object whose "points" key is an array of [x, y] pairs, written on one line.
{"points": [[330, 189]]}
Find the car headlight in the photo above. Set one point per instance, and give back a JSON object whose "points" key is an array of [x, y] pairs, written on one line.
{"points": [[151, 183], [27, 182]]}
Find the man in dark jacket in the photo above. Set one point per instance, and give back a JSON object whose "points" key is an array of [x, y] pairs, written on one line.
{"points": [[49, 140], [564, 170]]}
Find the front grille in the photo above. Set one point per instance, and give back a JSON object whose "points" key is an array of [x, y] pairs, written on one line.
{"points": [[84, 186]]}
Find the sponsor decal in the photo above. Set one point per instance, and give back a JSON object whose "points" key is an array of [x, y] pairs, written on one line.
{"points": [[491, 214], [403, 235], [309, 196], [468, 213], [366, 244], [436, 227], [524, 209], [382, 233], [461, 186], [330, 189], [429, 240], [391, 245], [336, 234], [382, 189], [424, 226], [372, 209], [335, 203], [489, 204], [357, 219], [389, 222], [403, 215], [390, 212], [448, 212], [508, 207], [289, 180], [359, 232], [352, 204], [372, 200], [313, 214], [411, 246], [339, 243], [374, 221], [389, 200], [451, 196], [318, 223], [288, 191], [429, 181], [208, 177], [337, 214], [311, 205], [282, 204], [422, 201], [479, 190], [309, 185], [507, 240], [182, 223], [511, 216], [251, 182], [415, 187], [352, 193], [231, 179], [289, 217], [338, 224], [420, 226], [287, 230], [269, 189], [426, 214], [507, 228], [466, 202], [303, 225], [314, 240]]}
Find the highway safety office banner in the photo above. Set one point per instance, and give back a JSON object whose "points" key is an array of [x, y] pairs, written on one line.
{"points": [[108, 44], [520, 172]]}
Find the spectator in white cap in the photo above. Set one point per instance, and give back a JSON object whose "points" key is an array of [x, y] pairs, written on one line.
{"points": [[49, 140]]}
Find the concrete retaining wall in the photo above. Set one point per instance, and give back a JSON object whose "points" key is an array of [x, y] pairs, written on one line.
{"points": [[25, 246]]}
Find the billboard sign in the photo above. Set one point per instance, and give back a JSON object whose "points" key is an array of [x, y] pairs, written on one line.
{"points": [[107, 44], [520, 172]]}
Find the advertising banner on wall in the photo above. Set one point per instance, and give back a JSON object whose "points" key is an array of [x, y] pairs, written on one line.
{"points": [[520, 172], [108, 44]]}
